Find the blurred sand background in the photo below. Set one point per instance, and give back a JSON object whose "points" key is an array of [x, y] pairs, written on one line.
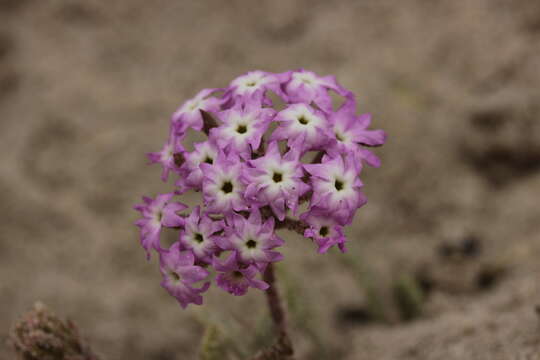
{"points": [[87, 88]]}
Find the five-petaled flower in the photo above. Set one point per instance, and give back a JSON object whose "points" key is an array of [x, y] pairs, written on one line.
{"points": [[156, 214], [236, 278], [189, 115], [252, 239], [180, 274], [275, 180], [200, 234], [336, 187]]}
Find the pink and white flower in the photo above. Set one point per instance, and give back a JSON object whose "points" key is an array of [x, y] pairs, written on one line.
{"points": [[223, 191], [252, 239], [275, 180], [191, 175], [157, 213], [167, 156], [236, 278], [304, 125], [189, 114], [351, 133], [253, 85], [253, 174], [336, 187], [199, 235], [180, 274], [306, 87], [242, 129], [324, 230]]}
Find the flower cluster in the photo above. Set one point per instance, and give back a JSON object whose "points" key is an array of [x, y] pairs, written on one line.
{"points": [[273, 142]]}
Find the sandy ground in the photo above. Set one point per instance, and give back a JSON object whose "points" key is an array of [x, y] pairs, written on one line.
{"points": [[87, 87]]}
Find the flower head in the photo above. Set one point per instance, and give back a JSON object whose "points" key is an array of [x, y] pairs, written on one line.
{"points": [[254, 166]]}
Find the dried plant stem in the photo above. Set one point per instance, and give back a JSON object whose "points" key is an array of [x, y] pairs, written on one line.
{"points": [[282, 349], [275, 304]]}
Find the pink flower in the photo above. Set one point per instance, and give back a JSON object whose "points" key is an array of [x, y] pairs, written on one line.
{"points": [[156, 214], [303, 125], [324, 230], [306, 87], [351, 133], [253, 85], [179, 274], [242, 129], [251, 238], [168, 155], [336, 187], [275, 180], [199, 235], [235, 278], [189, 114], [223, 191], [191, 175]]}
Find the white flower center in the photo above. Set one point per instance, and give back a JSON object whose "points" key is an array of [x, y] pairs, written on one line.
{"points": [[306, 78], [340, 136], [278, 176], [303, 120], [205, 154], [250, 82]]}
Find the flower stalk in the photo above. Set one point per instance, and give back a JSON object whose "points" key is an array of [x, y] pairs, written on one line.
{"points": [[282, 349]]}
